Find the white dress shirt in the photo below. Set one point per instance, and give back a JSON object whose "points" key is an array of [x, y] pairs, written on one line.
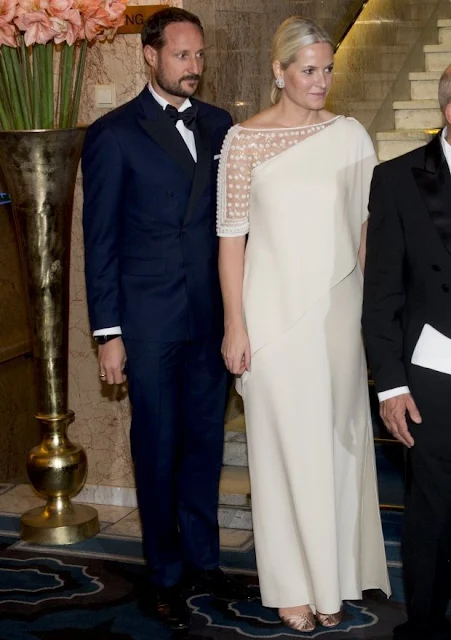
{"points": [[187, 134], [188, 137], [391, 393]]}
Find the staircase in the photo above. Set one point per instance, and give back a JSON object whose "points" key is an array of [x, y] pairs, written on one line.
{"points": [[234, 490], [417, 119]]}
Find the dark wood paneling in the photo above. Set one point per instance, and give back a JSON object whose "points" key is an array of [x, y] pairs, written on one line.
{"points": [[18, 428]]}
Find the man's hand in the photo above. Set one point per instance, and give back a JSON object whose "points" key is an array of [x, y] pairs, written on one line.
{"points": [[393, 413], [236, 350], [112, 359]]}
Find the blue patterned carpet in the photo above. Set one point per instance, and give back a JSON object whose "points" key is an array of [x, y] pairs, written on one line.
{"points": [[90, 591]]}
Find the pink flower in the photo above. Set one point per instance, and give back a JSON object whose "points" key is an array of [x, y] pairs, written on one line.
{"points": [[67, 27], [95, 19], [7, 35], [58, 8], [32, 18], [30, 6], [37, 27], [7, 11], [116, 9]]}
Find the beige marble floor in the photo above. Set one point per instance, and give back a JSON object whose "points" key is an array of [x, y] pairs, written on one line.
{"points": [[117, 521], [22, 497]]}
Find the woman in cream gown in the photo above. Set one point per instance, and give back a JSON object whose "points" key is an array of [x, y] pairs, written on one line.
{"points": [[295, 179]]}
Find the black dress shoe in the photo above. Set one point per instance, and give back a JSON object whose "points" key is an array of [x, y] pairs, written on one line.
{"points": [[167, 605], [220, 585]]}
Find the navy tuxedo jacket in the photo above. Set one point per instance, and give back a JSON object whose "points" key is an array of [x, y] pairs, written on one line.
{"points": [[149, 222]]}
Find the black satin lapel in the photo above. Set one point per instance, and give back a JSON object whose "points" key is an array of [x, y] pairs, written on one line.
{"points": [[164, 132], [434, 183], [202, 172]]}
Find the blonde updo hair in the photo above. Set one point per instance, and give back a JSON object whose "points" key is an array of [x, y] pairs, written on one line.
{"points": [[294, 34]]}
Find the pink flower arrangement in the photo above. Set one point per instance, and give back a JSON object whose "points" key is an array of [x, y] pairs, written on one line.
{"points": [[29, 29], [43, 21], [7, 29]]}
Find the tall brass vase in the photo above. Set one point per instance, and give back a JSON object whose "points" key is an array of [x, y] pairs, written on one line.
{"points": [[40, 169]]}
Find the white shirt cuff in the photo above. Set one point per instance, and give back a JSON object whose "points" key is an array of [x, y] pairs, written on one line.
{"points": [[392, 393], [107, 332]]}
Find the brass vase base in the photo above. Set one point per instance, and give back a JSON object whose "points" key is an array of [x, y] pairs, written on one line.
{"points": [[40, 168], [72, 525]]}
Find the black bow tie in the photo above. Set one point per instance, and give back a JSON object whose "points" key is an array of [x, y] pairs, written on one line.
{"points": [[188, 115]]}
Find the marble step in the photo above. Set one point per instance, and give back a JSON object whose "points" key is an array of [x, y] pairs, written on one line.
{"points": [[234, 481], [377, 85], [234, 498], [371, 87], [234, 517], [235, 539], [417, 11], [444, 31], [424, 85], [374, 58], [235, 448], [391, 144], [236, 424], [437, 56], [417, 114]]}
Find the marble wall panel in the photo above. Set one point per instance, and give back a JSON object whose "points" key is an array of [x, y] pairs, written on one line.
{"points": [[18, 428], [239, 34]]}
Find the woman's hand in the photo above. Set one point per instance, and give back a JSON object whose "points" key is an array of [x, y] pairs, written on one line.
{"points": [[236, 350]]}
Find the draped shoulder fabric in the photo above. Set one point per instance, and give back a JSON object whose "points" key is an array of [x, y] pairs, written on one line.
{"points": [[305, 205], [301, 195]]}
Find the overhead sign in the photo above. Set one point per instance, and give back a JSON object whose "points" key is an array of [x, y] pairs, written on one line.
{"points": [[136, 16]]}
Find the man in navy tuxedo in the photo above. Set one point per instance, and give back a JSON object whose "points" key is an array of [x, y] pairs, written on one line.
{"points": [[149, 173]]}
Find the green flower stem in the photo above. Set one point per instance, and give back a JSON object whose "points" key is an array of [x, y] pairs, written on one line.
{"points": [[78, 84], [37, 89], [5, 120], [20, 84], [48, 86], [60, 83], [26, 74], [5, 100], [67, 65], [19, 122], [43, 85]]}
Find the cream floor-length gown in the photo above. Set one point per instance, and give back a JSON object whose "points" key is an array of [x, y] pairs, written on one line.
{"points": [[301, 194]]}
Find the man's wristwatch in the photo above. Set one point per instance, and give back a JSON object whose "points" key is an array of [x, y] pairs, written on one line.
{"points": [[107, 338]]}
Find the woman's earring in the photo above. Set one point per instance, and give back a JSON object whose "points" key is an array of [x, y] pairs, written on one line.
{"points": [[280, 82]]}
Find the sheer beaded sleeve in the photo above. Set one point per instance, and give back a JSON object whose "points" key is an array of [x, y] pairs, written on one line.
{"points": [[244, 150], [234, 181]]}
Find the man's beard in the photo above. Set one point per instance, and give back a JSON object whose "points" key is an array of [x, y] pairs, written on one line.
{"points": [[175, 88]]}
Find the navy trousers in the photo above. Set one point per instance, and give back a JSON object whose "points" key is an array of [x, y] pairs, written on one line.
{"points": [[178, 392]]}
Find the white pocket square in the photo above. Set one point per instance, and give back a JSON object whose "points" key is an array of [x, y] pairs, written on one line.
{"points": [[433, 350], [217, 156]]}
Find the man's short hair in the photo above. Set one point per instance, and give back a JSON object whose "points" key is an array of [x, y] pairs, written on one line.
{"points": [[444, 89], [152, 33]]}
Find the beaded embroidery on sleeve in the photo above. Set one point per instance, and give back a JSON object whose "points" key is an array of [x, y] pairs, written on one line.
{"points": [[234, 181], [242, 151]]}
